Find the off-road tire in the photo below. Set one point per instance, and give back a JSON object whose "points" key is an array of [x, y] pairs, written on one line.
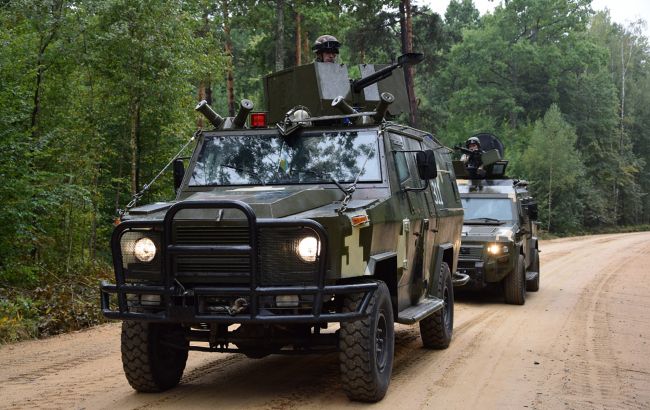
{"points": [[533, 285], [150, 363], [436, 330], [514, 285], [367, 347]]}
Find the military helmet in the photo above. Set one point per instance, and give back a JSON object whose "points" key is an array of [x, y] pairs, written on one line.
{"points": [[326, 43], [473, 140]]}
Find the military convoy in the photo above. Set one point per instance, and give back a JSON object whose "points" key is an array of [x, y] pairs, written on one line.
{"points": [[311, 227], [499, 240]]}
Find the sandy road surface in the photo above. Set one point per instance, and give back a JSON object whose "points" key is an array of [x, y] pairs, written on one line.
{"points": [[582, 341]]}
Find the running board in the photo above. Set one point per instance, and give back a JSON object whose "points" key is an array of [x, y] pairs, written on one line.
{"points": [[531, 276], [426, 307], [459, 279]]}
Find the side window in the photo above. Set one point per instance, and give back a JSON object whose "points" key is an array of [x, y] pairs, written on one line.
{"points": [[401, 166], [401, 163]]}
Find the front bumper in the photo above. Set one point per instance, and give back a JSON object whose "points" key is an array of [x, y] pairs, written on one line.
{"points": [[180, 304]]}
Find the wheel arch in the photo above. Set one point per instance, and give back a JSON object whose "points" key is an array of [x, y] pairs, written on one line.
{"points": [[383, 267], [443, 253]]}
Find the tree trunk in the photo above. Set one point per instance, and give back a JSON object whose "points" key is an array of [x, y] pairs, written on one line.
{"points": [[230, 80], [204, 91], [279, 36], [306, 46], [406, 24], [135, 124], [45, 40], [298, 39], [37, 97]]}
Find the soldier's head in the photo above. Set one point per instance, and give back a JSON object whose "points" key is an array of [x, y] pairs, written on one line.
{"points": [[473, 144], [326, 48]]}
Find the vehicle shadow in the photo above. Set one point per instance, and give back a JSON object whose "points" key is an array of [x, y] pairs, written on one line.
{"points": [[492, 294]]}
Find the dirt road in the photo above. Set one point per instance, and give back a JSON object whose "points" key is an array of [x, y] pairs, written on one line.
{"points": [[581, 342]]}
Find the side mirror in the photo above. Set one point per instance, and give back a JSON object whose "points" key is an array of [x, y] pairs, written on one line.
{"points": [[179, 173], [426, 163], [533, 211]]}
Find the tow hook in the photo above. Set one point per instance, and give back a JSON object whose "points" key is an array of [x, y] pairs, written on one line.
{"points": [[239, 306]]}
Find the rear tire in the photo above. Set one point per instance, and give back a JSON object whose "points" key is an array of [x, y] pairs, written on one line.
{"points": [[533, 285], [150, 362], [514, 285], [367, 347], [436, 330]]}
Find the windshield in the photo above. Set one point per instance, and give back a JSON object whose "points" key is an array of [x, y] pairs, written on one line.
{"points": [[271, 159], [499, 209]]}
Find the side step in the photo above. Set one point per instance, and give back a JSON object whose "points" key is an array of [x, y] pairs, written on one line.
{"points": [[459, 279], [531, 276], [426, 307]]}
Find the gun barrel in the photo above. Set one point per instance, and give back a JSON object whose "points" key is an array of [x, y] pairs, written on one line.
{"points": [[385, 99], [204, 108], [342, 105], [404, 59], [360, 84], [245, 107]]}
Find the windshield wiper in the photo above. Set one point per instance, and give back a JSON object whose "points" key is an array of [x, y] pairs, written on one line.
{"points": [[245, 171], [485, 220]]}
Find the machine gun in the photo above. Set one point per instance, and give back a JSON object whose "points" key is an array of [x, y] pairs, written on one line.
{"points": [[404, 59]]}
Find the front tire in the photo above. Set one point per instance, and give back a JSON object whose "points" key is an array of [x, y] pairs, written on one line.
{"points": [[153, 355], [367, 347], [514, 285], [436, 330]]}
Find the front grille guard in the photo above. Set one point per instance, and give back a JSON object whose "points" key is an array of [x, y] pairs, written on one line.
{"points": [[169, 289]]}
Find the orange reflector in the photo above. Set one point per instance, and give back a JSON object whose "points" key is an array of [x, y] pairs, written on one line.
{"points": [[359, 219], [258, 120]]}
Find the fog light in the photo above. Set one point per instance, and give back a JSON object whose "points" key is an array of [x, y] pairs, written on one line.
{"points": [[150, 300], [285, 301]]}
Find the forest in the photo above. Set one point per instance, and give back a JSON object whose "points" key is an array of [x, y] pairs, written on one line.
{"points": [[97, 96]]}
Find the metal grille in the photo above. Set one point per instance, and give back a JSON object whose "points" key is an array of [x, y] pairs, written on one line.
{"points": [[210, 234], [470, 252], [279, 261], [215, 270]]}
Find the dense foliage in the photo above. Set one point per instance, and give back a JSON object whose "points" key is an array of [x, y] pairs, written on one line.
{"points": [[96, 96]]}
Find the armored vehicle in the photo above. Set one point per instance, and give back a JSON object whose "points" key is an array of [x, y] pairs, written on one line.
{"points": [[499, 239], [313, 234]]}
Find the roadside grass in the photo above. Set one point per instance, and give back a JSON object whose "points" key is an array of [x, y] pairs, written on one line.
{"points": [[57, 303]]}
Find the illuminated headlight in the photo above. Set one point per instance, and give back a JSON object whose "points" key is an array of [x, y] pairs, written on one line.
{"points": [[144, 250], [496, 249], [308, 249]]}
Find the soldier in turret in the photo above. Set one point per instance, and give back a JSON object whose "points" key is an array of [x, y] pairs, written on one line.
{"points": [[326, 48], [472, 158]]}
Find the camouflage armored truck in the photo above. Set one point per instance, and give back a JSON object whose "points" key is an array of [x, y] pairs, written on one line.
{"points": [[315, 233], [499, 239]]}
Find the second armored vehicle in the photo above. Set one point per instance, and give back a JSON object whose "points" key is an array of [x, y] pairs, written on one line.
{"points": [[499, 240], [313, 229]]}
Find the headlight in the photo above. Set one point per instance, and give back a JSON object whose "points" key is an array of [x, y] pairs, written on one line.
{"points": [[308, 249], [144, 250], [496, 249]]}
